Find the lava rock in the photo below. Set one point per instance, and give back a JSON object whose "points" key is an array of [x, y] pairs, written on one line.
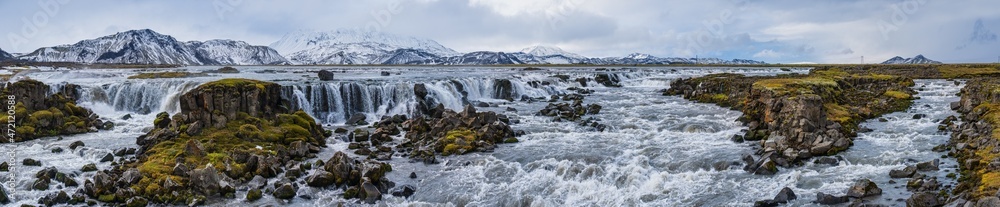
{"points": [[404, 191], [320, 178], [370, 192], [286, 191], [988, 201], [786, 194], [766, 203], [864, 188], [356, 119], [929, 165], [906, 172], [324, 75], [827, 160], [923, 199], [253, 195], [31, 162], [827, 199], [108, 158]]}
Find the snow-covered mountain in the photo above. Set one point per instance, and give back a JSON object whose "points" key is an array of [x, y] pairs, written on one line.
{"points": [[149, 47], [552, 55], [317, 48], [646, 59], [4, 55], [477, 58], [919, 59], [353, 47], [231, 52]]}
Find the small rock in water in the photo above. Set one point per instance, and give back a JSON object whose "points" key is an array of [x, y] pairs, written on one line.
{"points": [[325, 75], [929, 165], [827, 160], [31, 162], [864, 188], [786, 194], [923, 199], [405, 191], [919, 116], [827, 199], [75, 144], [108, 158], [413, 175], [906, 172]]}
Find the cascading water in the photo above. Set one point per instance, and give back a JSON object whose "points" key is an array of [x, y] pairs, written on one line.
{"points": [[335, 102], [660, 151]]}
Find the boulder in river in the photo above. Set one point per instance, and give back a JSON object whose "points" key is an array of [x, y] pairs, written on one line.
{"points": [[923, 199], [906, 172], [864, 188], [929, 165], [325, 75], [827, 199]]}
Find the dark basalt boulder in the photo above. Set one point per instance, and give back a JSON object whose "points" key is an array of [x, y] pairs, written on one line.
{"points": [[325, 75], [864, 188], [827, 199]]}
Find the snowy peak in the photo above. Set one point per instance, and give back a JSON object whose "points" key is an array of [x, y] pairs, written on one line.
{"points": [[919, 59], [149, 47], [4, 55], [232, 52], [547, 51], [361, 47], [637, 56]]}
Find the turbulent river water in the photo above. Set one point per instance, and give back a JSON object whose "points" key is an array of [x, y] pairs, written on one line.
{"points": [[658, 150]]}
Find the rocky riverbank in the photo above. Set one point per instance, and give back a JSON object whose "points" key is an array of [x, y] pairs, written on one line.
{"points": [[39, 114], [976, 142], [795, 117]]}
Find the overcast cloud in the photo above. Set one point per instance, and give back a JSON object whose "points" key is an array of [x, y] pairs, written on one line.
{"points": [[781, 31]]}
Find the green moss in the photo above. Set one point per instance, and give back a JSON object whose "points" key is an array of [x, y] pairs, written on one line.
{"points": [[897, 94], [235, 83], [967, 71], [837, 113], [253, 195], [458, 141], [241, 135], [106, 198]]}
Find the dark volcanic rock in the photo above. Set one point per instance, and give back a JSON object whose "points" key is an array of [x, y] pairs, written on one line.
{"points": [[923, 199], [827, 199], [325, 75], [864, 188], [906, 172]]}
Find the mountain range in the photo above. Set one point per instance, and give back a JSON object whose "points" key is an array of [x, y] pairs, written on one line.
{"points": [[307, 47], [149, 47], [919, 59]]}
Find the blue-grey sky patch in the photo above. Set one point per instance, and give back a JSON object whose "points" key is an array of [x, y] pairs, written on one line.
{"points": [[782, 31]]}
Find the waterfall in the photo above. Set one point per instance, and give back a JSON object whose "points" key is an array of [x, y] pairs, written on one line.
{"points": [[335, 102], [142, 97]]}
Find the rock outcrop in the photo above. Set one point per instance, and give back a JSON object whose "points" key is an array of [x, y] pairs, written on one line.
{"points": [[227, 132], [796, 117], [440, 132], [39, 114]]}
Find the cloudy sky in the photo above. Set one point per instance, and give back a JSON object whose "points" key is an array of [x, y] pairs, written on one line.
{"points": [[780, 31]]}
